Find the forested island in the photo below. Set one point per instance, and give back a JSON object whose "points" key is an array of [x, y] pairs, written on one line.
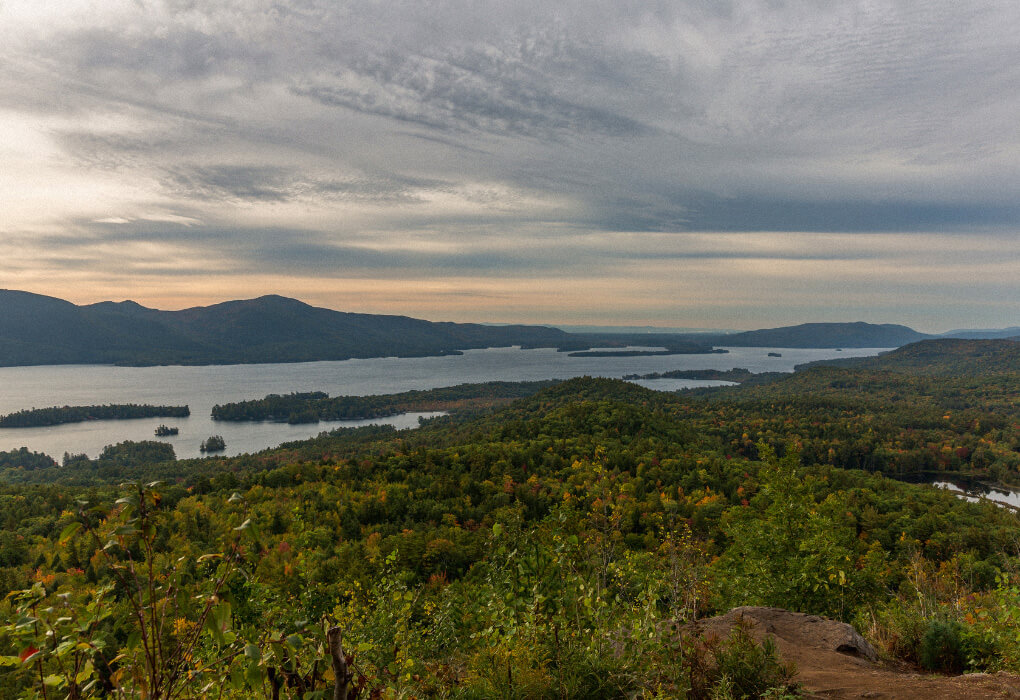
{"points": [[561, 544], [213, 443], [677, 350], [738, 375], [57, 415], [312, 407]]}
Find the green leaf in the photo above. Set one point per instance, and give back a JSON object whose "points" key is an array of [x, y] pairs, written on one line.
{"points": [[497, 530], [237, 678], [253, 673], [68, 532], [25, 621], [85, 673]]}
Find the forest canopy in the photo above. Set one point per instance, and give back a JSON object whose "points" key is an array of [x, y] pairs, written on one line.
{"points": [[559, 544]]}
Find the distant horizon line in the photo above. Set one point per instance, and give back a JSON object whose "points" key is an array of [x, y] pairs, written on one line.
{"points": [[566, 327]]}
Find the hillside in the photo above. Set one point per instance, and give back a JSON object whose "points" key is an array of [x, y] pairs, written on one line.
{"points": [[1011, 333], [38, 330], [827, 335], [942, 356]]}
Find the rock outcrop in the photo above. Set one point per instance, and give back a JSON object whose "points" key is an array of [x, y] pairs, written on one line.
{"points": [[834, 661], [793, 630]]}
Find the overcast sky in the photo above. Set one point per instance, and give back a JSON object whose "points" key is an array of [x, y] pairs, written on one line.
{"points": [[679, 163]]}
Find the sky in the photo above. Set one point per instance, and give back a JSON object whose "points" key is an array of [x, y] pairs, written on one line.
{"points": [[684, 163]]}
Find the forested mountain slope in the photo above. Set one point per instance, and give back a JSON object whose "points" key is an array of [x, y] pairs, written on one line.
{"points": [[36, 330], [942, 357], [828, 335]]}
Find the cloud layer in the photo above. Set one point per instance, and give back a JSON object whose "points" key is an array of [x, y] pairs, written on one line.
{"points": [[728, 163]]}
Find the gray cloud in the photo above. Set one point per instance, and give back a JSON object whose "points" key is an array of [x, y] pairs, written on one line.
{"points": [[471, 90], [279, 184], [463, 136], [695, 211]]}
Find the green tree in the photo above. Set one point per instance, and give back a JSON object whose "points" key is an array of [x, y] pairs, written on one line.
{"points": [[789, 549]]}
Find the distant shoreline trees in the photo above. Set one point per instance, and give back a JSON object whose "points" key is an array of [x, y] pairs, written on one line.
{"points": [[57, 415]]}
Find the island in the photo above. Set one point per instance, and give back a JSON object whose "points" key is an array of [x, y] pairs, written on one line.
{"points": [[313, 406], [692, 350], [57, 415], [738, 375], [164, 431], [215, 443]]}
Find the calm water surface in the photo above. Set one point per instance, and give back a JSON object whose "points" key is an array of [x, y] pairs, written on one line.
{"points": [[202, 387], [977, 492]]}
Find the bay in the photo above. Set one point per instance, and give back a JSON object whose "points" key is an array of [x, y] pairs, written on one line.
{"points": [[201, 387]]}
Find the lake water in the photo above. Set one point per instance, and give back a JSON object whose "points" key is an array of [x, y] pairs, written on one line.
{"points": [[203, 387], [976, 492]]}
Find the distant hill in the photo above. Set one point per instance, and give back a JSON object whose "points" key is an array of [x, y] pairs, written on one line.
{"points": [[42, 330], [979, 333], [39, 330], [827, 335], [940, 356]]}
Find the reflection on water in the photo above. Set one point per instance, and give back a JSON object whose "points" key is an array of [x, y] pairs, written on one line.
{"points": [[975, 492]]}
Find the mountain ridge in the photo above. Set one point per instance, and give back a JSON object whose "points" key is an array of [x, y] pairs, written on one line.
{"points": [[856, 334], [36, 329]]}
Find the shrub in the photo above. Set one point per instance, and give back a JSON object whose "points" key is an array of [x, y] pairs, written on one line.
{"points": [[748, 669], [941, 649]]}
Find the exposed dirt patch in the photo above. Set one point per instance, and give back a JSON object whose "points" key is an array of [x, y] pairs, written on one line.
{"points": [[834, 661]]}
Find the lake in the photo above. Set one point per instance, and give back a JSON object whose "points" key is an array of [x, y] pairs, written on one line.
{"points": [[203, 387], [975, 492]]}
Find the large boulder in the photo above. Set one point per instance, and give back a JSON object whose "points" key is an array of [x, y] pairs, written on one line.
{"points": [[833, 661], [795, 634]]}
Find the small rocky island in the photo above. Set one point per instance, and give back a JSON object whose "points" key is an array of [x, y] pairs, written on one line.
{"points": [[215, 443], [166, 431]]}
